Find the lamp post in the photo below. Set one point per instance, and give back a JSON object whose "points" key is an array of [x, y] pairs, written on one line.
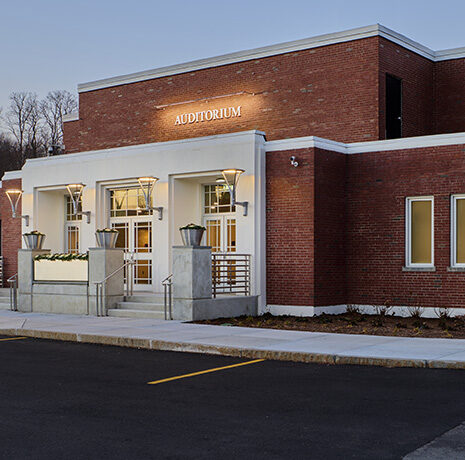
{"points": [[147, 184], [231, 177], [75, 193], [14, 195]]}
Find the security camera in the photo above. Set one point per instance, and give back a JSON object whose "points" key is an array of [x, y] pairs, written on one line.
{"points": [[294, 161]]}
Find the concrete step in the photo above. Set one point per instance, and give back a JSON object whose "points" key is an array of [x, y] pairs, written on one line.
{"points": [[4, 305], [145, 298], [4, 292], [140, 306], [123, 313]]}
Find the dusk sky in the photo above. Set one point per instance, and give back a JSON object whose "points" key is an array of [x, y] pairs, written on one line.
{"points": [[56, 44]]}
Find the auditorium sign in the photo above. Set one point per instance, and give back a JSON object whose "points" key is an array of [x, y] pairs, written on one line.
{"points": [[208, 115]]}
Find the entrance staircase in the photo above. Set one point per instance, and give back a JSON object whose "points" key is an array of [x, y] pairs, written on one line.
{"points": [[140, 305], [4, 298]]}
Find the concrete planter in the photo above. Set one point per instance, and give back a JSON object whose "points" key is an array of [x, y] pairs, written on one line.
{"points": [[34, 240], [60, 270], [106, 240], [191, 236]]}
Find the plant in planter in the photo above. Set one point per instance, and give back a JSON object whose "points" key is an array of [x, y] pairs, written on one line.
{"points": [[106, 237], [192, 234], [34, 239], [63, 256]]}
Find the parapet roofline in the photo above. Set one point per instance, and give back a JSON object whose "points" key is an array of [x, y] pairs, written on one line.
{"points": [[272, 50]]}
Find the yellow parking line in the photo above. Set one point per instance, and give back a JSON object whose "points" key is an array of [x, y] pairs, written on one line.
{"points": [[193, 374], [13, 338]]}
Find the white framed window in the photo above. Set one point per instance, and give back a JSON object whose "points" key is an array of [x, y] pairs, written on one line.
{"points": [[457, 240], [419, 231], [72, 226]]}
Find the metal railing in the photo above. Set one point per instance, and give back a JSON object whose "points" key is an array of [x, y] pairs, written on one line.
{"points": [[100, 286], [167, 284], [230, 274], [13, 282]]}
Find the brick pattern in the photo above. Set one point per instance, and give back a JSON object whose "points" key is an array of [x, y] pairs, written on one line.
{"points": [[377, 186], [330, 220], [290, 228], [11, 231], [329, 92], [416, 73], [450, 96]]}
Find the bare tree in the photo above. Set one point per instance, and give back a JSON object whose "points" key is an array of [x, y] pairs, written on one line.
{"points": [[10, 159], [17, 119], [35, 136], [53, 107]]}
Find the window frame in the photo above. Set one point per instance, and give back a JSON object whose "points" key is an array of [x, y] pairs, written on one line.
{"points": [[408, 228], [453, 230]]}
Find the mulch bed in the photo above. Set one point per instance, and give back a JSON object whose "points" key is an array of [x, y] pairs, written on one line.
{"points": [[355, 323]]}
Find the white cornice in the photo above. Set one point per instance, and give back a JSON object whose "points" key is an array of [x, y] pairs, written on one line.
{"points": [[73, 116], [365, 147], [112, 153], [10, 175], [281, 48]]}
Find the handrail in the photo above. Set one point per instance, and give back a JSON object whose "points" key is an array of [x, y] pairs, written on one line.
{"points": [[167, 284], [100, 308], [13, 282]]}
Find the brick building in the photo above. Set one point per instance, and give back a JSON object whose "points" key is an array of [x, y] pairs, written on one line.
{"points": [[353, 151]]}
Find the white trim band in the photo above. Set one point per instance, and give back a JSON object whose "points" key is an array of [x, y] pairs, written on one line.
{"points": [[281, 48]]}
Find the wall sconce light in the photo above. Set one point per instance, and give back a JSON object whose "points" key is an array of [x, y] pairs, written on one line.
{"points": [[75, 192], [147, 184], [231, 177], [14, 195]]}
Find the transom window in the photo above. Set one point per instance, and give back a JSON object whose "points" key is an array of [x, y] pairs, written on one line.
{"points": [[217, 199], [128, 202], [70, 216]]}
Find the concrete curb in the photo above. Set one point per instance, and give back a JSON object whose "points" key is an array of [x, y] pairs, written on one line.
{"points": [[252, 353]]}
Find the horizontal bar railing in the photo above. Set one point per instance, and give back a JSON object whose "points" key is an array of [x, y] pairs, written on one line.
{"points": [[230, 274]]}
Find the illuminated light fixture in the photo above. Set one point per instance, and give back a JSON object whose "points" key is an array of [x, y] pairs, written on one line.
{"points": [[75, 193], [14, 195], [220, 180], [147, 185], [231, 177], [240, 93]]}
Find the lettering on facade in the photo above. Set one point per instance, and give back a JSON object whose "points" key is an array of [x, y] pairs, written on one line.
{"points": [[208, 115]]}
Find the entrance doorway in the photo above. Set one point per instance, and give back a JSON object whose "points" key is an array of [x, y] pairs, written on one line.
{"points": [[219, 219], [133, 221]]}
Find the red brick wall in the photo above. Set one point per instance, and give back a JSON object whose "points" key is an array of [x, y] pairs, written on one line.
{"points": [[330, 225], [416, 73], [378, 184], [290, 228], [11, 231], [450, 96], [329, 92]]}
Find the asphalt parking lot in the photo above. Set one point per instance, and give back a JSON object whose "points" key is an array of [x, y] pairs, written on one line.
{"points": [[68, 400]]}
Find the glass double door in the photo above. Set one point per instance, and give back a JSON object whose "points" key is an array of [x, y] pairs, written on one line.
{"points": [[136, 238], [221, 233]]}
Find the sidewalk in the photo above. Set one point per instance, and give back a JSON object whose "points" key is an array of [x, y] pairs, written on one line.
{"points": [[239, 341]]}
